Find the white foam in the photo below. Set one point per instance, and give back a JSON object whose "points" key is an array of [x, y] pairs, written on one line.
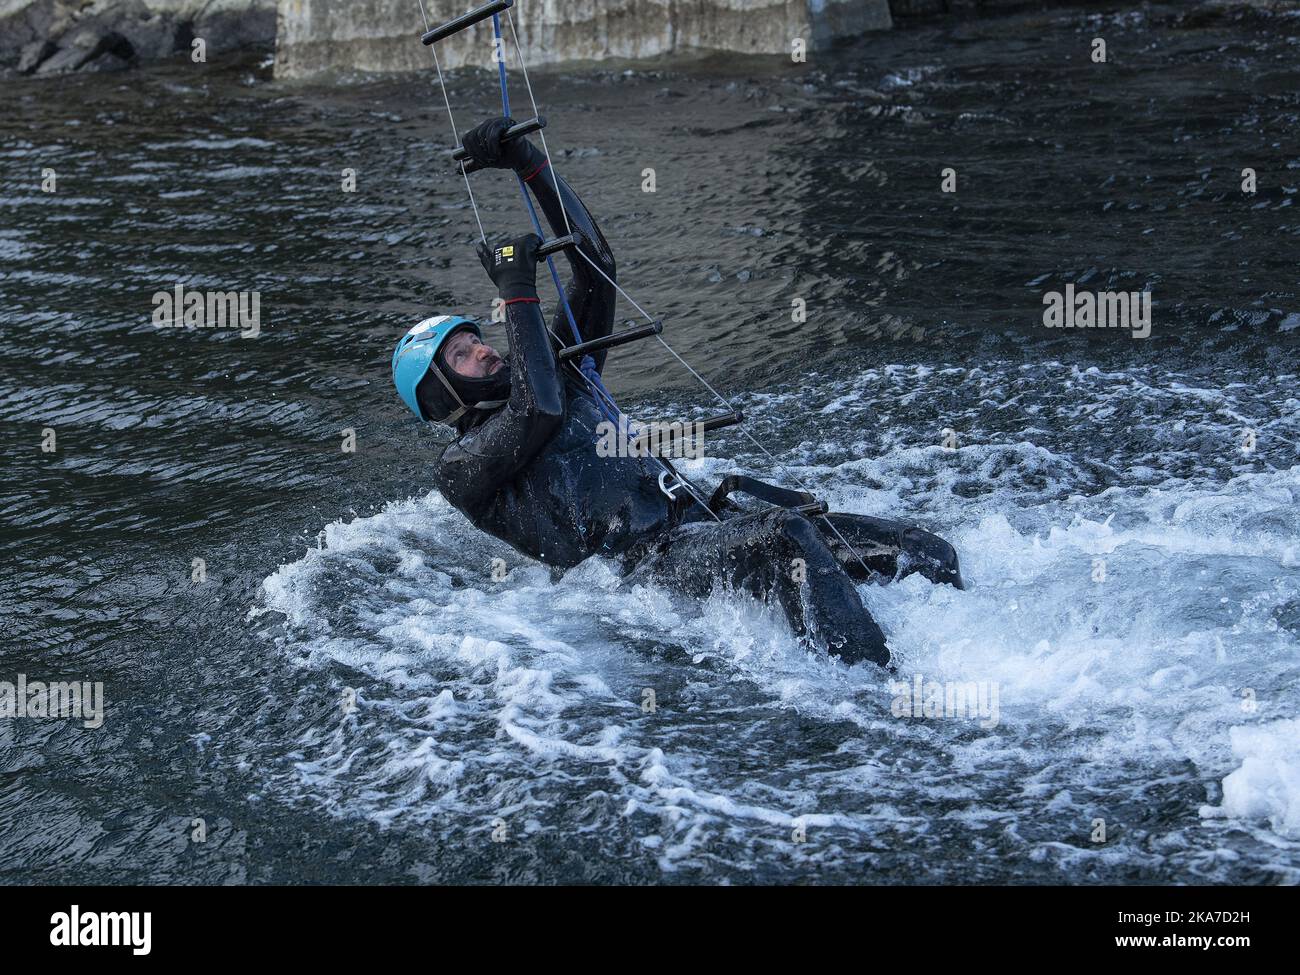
{"points": [[1267, 785], [485, 699]]}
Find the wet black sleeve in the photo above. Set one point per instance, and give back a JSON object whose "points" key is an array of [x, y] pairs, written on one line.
{"points": [[474, 467], [590, 295]]}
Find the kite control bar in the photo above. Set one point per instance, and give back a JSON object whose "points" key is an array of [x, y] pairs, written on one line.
{"points": [[465, 20], [723, 420], [461, 154], [614, 339], [649, 438]]}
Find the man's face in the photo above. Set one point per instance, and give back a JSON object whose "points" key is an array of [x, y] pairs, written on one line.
{"points": [[470, 357]]}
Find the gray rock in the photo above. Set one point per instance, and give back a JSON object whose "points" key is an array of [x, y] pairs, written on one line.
{"points": [[20, 27], [87, 43], [152, 35], [95, 35], [65, 59], [33, 54], [106, 62]]}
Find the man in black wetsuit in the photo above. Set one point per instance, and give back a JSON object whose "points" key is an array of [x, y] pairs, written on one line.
{"points": [[525, 468]]}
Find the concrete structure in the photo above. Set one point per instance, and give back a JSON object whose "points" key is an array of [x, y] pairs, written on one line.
{"points": [[382, 35]]}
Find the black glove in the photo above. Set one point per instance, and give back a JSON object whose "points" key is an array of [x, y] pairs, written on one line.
{"points": [[486, 148], [512, 266]]}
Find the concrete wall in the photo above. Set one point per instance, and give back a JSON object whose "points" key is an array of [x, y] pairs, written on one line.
{"points": [[383, 35]]}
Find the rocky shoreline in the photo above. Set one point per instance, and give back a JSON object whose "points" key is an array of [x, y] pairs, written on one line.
{"points": [[50, 37]]}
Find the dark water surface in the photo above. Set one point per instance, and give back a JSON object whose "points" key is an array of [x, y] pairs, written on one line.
{"points": [[517, 704]]}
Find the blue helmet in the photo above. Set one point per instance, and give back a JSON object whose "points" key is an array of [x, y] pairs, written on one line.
{"points": [[416, 352]]}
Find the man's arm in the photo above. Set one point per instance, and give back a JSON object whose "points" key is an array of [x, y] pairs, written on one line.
{"points": [[591, 295], [474, 467]]}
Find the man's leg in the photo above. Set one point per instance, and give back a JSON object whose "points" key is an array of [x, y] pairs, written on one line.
{"points": [[776, 554], [891, 549]]}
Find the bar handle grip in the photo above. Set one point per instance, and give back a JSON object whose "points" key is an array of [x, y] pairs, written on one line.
{"points": [[461, 154], [645, 441], [612, 340], [464, 21]]}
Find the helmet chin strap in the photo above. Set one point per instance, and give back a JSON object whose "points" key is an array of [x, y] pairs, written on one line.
{"points": [[484, 405]]}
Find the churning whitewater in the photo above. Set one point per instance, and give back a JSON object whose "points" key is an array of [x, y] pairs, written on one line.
{"points": [[1124, 694]]}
